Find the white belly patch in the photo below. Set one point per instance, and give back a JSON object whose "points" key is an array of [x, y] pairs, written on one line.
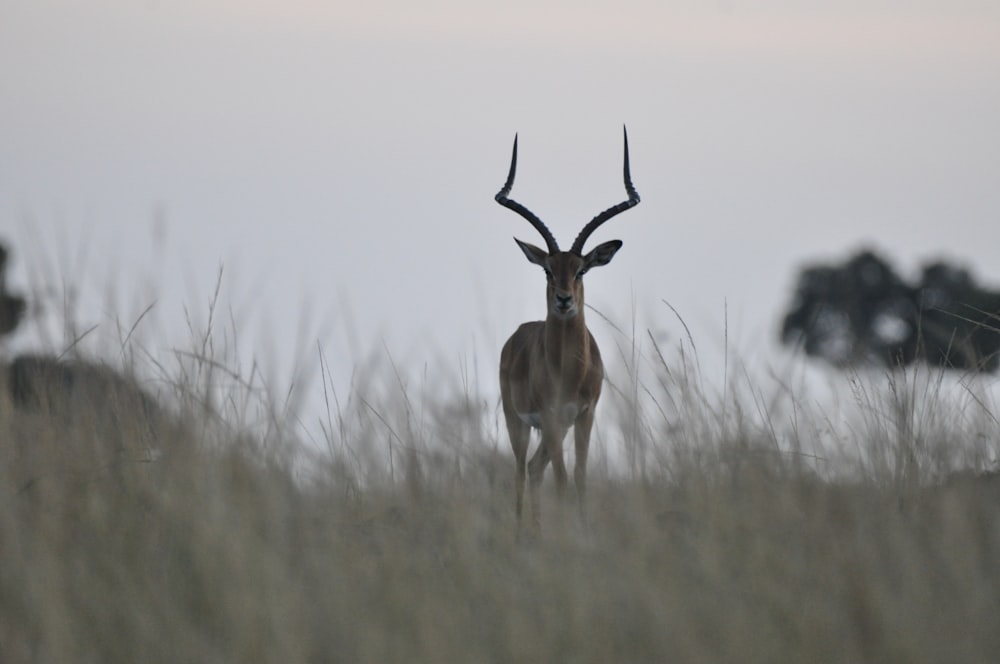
{"points": [[531, 419], [567, 416]]}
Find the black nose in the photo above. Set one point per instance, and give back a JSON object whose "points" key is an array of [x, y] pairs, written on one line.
{"points": [[564, 300]]}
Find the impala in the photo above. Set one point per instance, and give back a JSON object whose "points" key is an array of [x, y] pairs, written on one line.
{"points": [[551, 370]]}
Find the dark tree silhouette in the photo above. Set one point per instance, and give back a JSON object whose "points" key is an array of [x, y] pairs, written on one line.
{"points": [[11, 306], [862, 312], [73, 387]]}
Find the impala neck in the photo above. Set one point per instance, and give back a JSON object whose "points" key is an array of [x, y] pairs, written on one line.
{"points": [[567, 347]]}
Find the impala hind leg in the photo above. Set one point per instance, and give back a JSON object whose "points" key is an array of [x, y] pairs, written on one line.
{"points": [[553, 442], [536, 470], [550, 449]]}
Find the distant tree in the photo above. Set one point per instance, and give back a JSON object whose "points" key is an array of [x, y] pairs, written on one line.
{"points": [[862, 312], [11, 306], [72, 391]]}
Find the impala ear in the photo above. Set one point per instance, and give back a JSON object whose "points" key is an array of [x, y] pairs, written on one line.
{"points": [[601, 254], [533, 253]]}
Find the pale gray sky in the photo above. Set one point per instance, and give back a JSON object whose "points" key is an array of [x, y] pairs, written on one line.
{"points": [[340, 159]]}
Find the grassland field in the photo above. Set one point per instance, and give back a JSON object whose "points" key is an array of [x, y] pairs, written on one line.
{"points": [[728, 528]]}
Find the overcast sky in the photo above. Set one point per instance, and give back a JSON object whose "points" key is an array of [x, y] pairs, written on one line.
{"points": [[339, 159]]}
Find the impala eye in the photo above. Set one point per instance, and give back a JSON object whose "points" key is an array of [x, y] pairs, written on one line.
{"points": [[548, 274], [579, 275]]}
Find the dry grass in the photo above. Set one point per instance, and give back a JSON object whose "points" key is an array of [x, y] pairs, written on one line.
{"points": [[722, 536]]}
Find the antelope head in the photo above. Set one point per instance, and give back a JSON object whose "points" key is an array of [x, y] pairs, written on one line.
{"points": [[564, 270]]}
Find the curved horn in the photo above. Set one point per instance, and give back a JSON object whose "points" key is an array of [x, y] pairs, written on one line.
{"points": [[501, 198], [633, 200]]}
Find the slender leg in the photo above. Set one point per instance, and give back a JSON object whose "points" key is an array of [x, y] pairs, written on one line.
{"points": [[550, 449], [581, 435], [554, 444], [520, 435], [536, 470]]}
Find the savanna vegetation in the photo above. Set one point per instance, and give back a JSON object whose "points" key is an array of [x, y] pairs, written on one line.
{"points": [[146, 517]]}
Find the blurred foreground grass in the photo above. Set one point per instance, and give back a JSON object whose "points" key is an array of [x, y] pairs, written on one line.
{"points": [[189, 537]]}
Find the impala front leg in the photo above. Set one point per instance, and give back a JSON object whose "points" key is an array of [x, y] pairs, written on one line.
{"points": [[581, 436], [520, 434]]}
